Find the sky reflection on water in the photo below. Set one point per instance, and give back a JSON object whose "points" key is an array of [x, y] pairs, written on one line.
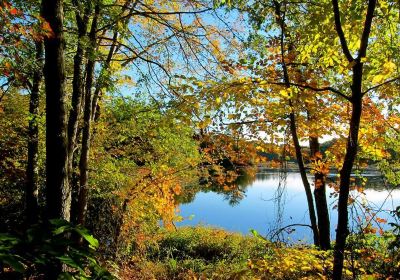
{"points": [[260, 210]]}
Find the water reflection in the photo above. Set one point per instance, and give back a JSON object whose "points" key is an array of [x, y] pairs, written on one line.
{"points": [[270, 200]]}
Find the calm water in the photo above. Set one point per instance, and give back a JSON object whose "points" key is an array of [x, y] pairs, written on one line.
{"points": [[272, 201]]}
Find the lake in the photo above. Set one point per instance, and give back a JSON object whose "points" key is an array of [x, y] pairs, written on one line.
{"points": [[273, 200]]}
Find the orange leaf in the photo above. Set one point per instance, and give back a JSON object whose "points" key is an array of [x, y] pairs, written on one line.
{"points": [[13, 11], [47, 29]]}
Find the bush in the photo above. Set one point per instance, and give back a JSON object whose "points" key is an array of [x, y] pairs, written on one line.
{"points": [[197, 252], [44, 248]]}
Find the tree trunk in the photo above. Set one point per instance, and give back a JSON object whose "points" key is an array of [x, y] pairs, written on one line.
{"points": [[113, 48], [345, 173], [320, 201], [303, 174], [293, 129], [100, 84], [32, 172], [352, 139], [77, 83], [87, 118], [58, 192]]}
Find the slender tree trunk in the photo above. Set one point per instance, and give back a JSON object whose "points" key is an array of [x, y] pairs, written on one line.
{"points": [[321, 204], [77, 102], [113, 48], [100, 84], [345, 173], [293, 128], [32, 171], [58, 192], [303, 174], [352, 140], [77, 83], [87, 118]]}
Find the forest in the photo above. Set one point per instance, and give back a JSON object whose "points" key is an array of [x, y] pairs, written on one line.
{"points": [[199, 139]]}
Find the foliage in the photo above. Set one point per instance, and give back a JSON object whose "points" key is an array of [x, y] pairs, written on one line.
{"points": [[41, 247], [367, 256], [206, 105], [207, 253], [225, 158], [143, 159], [198, 252]]}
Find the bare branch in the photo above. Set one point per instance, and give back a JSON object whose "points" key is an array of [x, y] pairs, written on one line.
{"points": [[338, 92], [382, 84], [248, 122]]}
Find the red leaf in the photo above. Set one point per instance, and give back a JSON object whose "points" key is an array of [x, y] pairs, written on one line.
{"points": [[13, 11]]}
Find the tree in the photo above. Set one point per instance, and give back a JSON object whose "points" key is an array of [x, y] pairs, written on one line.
{"points": [[58, 191], [352, 140], [32, 172], [350, 65]]}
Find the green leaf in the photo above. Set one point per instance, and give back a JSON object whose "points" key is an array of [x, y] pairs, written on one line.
{"points": [[61, 229], [88, 237], [13, 262], [257, 235]]}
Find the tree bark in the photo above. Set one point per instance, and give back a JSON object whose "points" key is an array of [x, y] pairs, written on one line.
{"points": [[87, 118], [345, 173], [58, 192], [32, 171], [321, 204], [303, 174], [77, 82], [352, 139], [97, 91]]}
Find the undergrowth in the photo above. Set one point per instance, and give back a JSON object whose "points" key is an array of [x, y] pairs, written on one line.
{"points": [[207, 253]]}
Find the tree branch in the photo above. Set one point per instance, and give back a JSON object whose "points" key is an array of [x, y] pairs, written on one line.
{"points": [[339, 30], [382, 84], [338, 92], [367, 29], [247, 122]]}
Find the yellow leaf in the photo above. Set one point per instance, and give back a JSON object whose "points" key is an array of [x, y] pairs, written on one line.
{"points": [[284, 93], [389, 67], [377, 79]]}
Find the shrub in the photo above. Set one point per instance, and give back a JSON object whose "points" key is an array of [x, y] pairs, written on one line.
{"points": [[45, 247]]}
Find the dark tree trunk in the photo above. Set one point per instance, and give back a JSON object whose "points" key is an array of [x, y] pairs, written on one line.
{"points": [[58, 192], [32, 172], [303, 174], [345, 173], [352, 140], [77, 102], [87, 119], [293, 129], [77, 82], [321, 204], [100, 84]]}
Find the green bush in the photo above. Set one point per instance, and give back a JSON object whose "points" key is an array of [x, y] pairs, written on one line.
{"points": [[43, 248], [200, 252]]}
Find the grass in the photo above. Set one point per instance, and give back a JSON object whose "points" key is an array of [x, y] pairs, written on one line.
{"points": [[209, 253], [198, 252]]}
